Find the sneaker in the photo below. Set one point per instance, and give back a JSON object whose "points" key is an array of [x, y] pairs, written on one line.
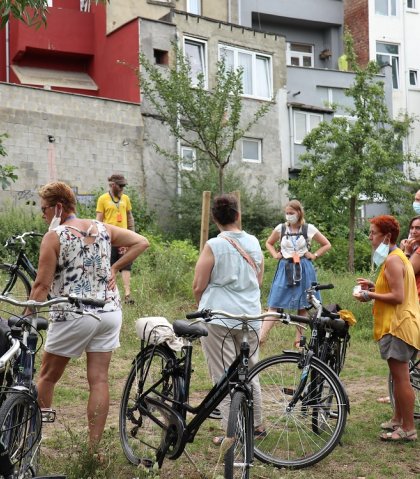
{"points": [[216, 414]]}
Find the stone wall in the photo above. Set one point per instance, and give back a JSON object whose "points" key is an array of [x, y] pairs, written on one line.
{"points": [[77, 139]]}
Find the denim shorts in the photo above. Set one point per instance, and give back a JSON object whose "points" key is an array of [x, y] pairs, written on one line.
{"points": [[396, 348]]}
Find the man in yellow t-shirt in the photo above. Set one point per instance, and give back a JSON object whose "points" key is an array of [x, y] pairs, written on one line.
{"points": [[114, 208]]}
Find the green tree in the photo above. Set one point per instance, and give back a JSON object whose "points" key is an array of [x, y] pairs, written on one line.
{"points": [[7, 172], [210, 121], [350, 160]]}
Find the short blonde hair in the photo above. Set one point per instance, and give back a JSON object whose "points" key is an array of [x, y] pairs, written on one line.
{"points": [[59, 192], [297, 206]]}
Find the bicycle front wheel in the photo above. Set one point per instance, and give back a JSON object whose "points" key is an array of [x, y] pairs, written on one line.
{"points": [[302, 432], [20, 432], [15, 284], [240, 432], [140, 435], [414, 368]]}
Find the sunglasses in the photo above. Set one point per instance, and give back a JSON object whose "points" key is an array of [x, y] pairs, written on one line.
{"points": [[45, 208]]}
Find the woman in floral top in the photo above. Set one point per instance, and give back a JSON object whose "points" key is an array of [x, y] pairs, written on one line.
{"points": [[75, 259]]}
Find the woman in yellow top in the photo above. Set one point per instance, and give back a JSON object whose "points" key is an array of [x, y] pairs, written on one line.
{"points": [[396, 316]]}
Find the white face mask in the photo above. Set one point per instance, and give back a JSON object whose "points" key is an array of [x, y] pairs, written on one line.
{"points": [[416, 207], [292, 219], [56, 221]]}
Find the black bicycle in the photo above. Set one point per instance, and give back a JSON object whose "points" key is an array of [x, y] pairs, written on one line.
{"points": [[16, 278], [305, 404], [414, 368], [155, 401], [20, 416]]}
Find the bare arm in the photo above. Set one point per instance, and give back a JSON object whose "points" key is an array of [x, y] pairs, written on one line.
{"points": [[130, 220], [48, 255], [415, 261], [202, 274], [324, 243], [261, 273], [270, 245], [136, 244], [99, 216]]}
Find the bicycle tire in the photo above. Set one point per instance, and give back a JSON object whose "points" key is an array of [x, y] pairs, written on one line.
{"points": [[415, 383], [141, 437], [291, 441], [20, 432], [15, 284], [239, 429]]}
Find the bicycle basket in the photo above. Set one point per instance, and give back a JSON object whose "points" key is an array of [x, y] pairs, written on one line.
{"points": [[157, 330]]}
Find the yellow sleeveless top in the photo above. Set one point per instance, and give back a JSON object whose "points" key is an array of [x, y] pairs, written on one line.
{"points": [[399, 320]]}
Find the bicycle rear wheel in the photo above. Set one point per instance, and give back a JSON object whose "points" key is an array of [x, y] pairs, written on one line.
{"points": [[15, 284], [239, 430], [140, 436], [415, 382], [302, 434], [20, 432]]}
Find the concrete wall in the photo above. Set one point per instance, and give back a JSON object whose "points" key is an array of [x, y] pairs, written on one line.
{"points": [[77, 139]]}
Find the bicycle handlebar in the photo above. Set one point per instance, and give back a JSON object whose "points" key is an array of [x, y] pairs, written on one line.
{"points": [[21, 237], [319, 287], [75, 300]]}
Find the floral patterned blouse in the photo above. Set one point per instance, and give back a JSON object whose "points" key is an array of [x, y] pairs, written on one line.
{"points": [[83, 269]]}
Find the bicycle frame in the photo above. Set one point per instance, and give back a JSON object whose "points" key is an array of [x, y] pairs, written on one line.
{"points": [[234, 378]]}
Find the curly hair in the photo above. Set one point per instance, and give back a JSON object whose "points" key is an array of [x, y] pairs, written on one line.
{"points": [[387, 224], [59, 192], [225, 209]]}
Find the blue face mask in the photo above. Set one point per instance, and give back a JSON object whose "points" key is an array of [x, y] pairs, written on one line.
{"points": [[416, 207], [380, 254]]}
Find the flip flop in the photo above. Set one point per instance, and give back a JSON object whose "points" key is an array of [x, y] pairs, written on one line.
{"points": [[399, 435], [384, 400], [390, 425]]}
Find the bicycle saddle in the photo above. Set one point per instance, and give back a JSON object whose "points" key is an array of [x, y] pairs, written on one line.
{"points": [[185, 329]]}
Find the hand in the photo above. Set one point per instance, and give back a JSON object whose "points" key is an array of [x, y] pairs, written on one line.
{"points": [[278, 255], [366, 284], [410, 246], [112, 282]]}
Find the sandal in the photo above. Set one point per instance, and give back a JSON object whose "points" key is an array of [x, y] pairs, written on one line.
{"points": [[399, 435], [384, 400], [128, 299], [217, 440], [390, 425]]}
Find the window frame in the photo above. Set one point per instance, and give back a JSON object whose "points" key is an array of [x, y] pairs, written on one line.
{"points": [[416, 72], [392, 57], [182, 165], [203, 53], [308, 129], [196, 2], [255, 57], [259, 147], [392, 5], [413, 8], [300, 55]]}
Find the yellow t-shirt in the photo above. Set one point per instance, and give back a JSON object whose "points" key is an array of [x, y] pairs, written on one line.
{"points": [[114, 210], [399, 320]]}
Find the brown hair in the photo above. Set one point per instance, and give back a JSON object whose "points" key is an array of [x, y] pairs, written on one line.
{"points": [[413, 220], [59, 192], [387, 224], [297, 206], [225, 209]]}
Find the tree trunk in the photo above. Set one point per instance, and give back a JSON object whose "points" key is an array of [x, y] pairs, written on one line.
{"points": [[221, 185], [352, 221]]}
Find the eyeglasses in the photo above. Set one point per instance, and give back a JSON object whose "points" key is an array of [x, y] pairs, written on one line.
{"points": [[44, 208]]}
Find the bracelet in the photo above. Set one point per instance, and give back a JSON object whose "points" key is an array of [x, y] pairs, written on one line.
{"points": [[365, 295]]}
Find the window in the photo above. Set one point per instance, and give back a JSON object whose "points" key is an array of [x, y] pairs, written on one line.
{"points": [[194, 6], [411, 4], [386, 7], [251, 150], [304, 123], [257, 72], [300, 55], [188, 159], [195, 51], [387, 53], [161, 57], [413, 76]]}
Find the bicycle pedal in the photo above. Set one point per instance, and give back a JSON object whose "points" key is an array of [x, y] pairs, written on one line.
{"points": [[48, 414]]}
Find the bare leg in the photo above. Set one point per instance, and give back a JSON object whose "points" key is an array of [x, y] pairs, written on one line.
{"points": [[403, 394], [52, 368], [98, 404], [267, 324], [126, 276], [299, 330]]}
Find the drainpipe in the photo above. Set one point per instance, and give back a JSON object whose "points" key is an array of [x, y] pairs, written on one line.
{"points": [[291, 143], [229, 19], [7, 53]]}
